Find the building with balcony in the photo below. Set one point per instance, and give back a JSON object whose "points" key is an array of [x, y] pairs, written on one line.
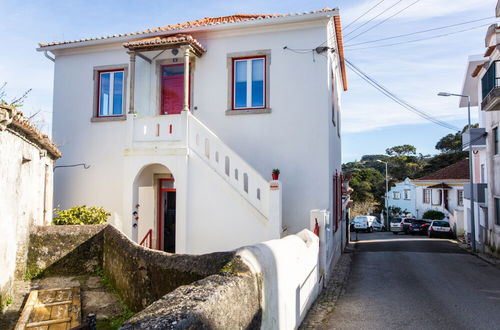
{"points": [[482, 83], [443, 191], [182, 126]]}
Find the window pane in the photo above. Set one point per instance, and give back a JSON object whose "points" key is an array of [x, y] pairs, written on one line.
{"points": [[104, 97], [117, 93], [240, 84], [258, 83]]}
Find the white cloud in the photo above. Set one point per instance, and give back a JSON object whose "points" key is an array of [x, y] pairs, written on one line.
{"points": [[421, 10]]}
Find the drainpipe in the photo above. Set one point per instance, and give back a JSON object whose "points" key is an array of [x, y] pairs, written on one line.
{"points": [[46, 54]]}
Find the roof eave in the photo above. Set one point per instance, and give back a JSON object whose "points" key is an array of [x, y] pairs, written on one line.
{"points": [[217, 27]]}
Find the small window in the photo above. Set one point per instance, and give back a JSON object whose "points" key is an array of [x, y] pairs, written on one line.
{"points": [[110, 93], [236, 173], [207, 148], [495, 140], [249, 83], [258, 193], [217, 156], [396, 195], [406, 193], [427, 196], [460, 197]]}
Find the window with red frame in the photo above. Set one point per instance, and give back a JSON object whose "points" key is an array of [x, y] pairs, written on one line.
{"points": [[337, 199], [110, 93], [249, 83]]}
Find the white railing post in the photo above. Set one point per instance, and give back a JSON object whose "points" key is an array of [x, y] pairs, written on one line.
{"points": [[275, 215]]}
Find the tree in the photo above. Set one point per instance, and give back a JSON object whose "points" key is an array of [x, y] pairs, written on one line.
{"points": [[453, 142], [367, 185], [404, 150]]}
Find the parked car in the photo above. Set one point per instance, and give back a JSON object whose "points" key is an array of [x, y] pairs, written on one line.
{"points": [[419, 227], [364, 223], [399, 225], [378, 225], [440, 228]]}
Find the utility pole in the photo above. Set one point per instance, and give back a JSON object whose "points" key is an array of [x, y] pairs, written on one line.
{"points": [[471, 173], [386, 194]]}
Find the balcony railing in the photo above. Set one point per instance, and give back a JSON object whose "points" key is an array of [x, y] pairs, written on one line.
{"points": [[480, 195], [490, 84], [474, 138], [158, 128]]}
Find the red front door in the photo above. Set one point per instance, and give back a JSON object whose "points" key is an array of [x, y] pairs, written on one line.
{"points": [[172, 88]]}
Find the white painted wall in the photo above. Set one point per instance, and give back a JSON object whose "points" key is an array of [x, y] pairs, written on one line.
{"points": [[290, 274], [405, 204], [298, 136], [25, 201], [422, 207]]}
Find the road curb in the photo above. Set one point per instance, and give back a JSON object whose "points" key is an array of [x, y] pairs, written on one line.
{"points": [[489, 259]]}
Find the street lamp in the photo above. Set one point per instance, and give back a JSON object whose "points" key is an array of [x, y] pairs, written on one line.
{"points": [[386, 194], [473, 224]]}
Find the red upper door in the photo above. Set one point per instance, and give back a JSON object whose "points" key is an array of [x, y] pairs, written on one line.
{"points": [[172, 89]]}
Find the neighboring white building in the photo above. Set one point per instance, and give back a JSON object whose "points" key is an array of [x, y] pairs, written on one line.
{"points": [[403, 196], [183, 124], [26, 163], [443, 191], [482, 84]]}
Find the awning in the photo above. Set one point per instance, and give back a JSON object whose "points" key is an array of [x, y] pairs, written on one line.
{"points": [[166, 42]]}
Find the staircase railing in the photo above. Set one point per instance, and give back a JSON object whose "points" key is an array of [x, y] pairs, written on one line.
{"points": [[229, 165], [147, 241]]}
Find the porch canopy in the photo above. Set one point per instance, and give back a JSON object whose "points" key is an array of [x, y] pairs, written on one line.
{"points": [[166, 42], [441, 185], [162, 43]]}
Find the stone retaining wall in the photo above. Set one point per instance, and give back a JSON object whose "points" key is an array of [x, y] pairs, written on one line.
{"points": [[211, 291]]}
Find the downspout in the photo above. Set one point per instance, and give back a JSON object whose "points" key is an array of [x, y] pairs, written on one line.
{"points": [[45, 53]]}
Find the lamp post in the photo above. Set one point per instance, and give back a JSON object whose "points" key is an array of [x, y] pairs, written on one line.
{"points": [[386, 194], [471, 172]]}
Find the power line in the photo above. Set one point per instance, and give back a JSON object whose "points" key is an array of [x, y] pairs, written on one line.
{"points": [[397, 99], [422, 39], [362, 15], [383, 21], [367, 22], [422, 31]]}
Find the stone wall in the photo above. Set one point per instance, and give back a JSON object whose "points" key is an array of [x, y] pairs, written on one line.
{"points": [[65, 250], [212, 291], [26, 161], [143, 276]]}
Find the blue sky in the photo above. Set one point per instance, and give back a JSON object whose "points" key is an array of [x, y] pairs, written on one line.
{"points": [[371, 122]]}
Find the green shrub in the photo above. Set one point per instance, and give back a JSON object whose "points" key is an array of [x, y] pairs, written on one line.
{"points": [[80, 215], [433, 215]]}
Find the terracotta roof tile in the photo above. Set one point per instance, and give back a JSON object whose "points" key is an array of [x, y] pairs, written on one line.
{"points": [[457, 171], [340, 46], [166, 40], [11, 117], [204, 22]]}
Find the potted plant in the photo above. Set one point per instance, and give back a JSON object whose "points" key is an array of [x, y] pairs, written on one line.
{"points": [[276, 174]]}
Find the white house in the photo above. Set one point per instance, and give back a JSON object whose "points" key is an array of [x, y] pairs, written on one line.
{"points": [[403, 196], [182, 125], [481, 83], [26, 163], [443, 191]]}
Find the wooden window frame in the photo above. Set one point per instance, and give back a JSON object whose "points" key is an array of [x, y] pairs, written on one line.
{"points": [[246, 59], [97, 85]]}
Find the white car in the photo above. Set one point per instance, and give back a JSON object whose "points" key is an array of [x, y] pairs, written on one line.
{"points": [[366, 223], [440, 228]]}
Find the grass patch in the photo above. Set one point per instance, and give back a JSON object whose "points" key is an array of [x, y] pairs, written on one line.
{"points": [[125, 314], [33, 273]]}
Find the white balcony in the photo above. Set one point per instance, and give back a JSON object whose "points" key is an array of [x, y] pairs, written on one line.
{"points": [[167, 128]]}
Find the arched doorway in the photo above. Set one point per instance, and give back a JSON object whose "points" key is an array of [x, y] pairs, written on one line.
{"points": [[155, 202]]}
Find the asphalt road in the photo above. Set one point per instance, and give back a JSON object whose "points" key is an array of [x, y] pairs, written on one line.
{"points": [[412, 282]]}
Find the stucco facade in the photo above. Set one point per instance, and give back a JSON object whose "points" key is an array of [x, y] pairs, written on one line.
{"points": [[26, 163], [480, 83], [220, 159], [403, 196]]}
